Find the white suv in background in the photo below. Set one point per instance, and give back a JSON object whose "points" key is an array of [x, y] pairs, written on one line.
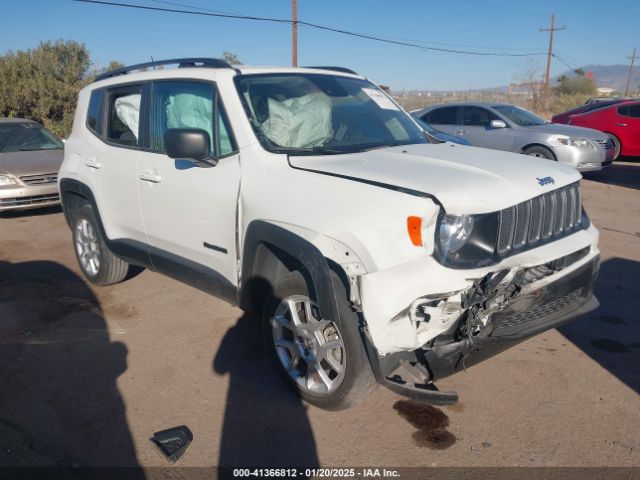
{"points": [[372, 252]]}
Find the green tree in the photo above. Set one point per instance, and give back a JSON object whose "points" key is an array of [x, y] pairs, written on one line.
{"points": [[43, 83], [231, 58], [579, 84]]}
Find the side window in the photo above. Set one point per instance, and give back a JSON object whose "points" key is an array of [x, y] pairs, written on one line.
{"points": [[634, 110], [477, 117], [123, 121], [94, 112], [443, 116], [184, 104], [623, 110]]}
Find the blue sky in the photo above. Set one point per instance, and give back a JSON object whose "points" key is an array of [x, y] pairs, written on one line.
{"points": [[597, 33]]}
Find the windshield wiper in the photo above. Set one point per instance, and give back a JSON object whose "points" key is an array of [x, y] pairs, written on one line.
{"points": [[307, 150]]}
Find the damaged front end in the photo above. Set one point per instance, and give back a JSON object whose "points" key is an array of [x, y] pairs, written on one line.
{"points": [[498, 311]]}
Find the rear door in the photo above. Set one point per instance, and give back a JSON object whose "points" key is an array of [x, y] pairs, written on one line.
{"points": [[446, 119], [190, 212], [109, 166], [627, 128], [476, 127]]}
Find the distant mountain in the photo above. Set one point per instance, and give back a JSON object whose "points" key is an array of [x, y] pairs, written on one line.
{"points": [[611, 76]]}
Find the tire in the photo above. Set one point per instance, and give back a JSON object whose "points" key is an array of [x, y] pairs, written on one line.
{"points": [[98, 264], [540, 152], [345, 366], [616, 143]]}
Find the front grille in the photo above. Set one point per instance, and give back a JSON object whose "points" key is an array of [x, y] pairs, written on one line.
{"points": [[606, 144], [40, 179], [525, 320], [553, 215], [26, 201]]}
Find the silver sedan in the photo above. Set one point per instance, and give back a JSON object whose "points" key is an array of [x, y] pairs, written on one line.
{"points": [[511, 128]]}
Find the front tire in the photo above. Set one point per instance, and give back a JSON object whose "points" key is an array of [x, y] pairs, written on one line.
{"points": [[98, 264], [540, 152], [616, 144], [323, 360]]}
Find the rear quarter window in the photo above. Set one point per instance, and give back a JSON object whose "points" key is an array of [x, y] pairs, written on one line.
{"points": [[94, 112]]}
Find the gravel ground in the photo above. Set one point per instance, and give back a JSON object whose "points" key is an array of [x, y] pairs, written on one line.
{"points": [[88, 374]]}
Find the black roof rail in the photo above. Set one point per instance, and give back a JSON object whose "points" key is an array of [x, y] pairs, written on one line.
{"points": [[336, 69], [181, 62]]}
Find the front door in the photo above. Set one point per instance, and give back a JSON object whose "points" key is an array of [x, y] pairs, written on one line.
{"points": [[189, 212], [476, 127]]}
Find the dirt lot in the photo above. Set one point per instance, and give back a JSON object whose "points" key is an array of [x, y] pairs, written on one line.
{"points": [[88, 374]]}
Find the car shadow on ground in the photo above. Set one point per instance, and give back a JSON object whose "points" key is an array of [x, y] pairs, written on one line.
{"points": [[32, 212], [611, 334], [265, 423], [621, 173], [59, 403]]}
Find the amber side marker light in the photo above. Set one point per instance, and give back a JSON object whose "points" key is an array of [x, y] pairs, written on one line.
{"points": [[414, 227]]}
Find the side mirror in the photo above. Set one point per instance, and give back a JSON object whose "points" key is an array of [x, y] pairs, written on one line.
{"points": [[498, 124], [189, 144]]}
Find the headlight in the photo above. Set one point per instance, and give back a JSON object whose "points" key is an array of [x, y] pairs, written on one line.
{"points": [[576, 142], [5, 181], [454, 232]]}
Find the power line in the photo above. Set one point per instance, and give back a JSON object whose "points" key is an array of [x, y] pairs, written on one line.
{"points": [[404, 39], [633, 60], [310, 25]]}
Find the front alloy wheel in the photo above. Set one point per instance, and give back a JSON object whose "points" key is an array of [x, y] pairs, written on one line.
{"points": [[310, 349]]}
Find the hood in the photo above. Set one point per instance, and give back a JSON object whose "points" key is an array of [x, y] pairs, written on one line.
{"points": [[36, 162], [568, 130], [463, 179]]}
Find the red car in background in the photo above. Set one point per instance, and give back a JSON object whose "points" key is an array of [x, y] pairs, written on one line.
{"points": [[620, 121], [587, 107]]}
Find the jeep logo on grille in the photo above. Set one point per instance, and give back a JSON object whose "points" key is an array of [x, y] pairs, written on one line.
{"points": [[545, 181]]}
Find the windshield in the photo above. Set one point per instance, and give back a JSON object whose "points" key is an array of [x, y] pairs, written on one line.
{"points": [[313, 113], [520, 116], [26, 136]]}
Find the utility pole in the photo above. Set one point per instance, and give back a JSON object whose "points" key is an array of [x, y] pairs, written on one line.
{"points": [[294, 32], [550, 53], [633, 60]]}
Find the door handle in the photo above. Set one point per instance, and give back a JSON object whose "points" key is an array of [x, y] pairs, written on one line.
{"points": [[621, 124], [93, 163], [149, 176]]}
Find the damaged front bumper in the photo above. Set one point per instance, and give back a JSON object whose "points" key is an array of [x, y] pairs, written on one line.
{"points": [[499, 310]]}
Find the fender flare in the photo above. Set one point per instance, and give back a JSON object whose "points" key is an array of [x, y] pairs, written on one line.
{"points": [[261, 232]]}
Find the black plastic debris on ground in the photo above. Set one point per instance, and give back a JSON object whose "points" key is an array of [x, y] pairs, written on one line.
{"points": [[173, 442]]}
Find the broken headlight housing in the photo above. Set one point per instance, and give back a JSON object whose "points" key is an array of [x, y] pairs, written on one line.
{"points": [[467, 241]]}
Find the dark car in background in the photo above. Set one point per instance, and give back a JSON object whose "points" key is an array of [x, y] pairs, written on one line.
{"points": [[587, 107], [30, 157]]}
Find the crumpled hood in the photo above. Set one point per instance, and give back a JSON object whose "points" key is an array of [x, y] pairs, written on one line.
{"points": [[34, 162], [568, 130], [464, 179]]}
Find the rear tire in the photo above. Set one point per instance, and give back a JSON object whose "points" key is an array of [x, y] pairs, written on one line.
{"points": [[323, 361], [98, 264], [540, 152]]}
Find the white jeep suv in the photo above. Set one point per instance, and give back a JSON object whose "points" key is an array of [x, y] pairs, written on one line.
{"points": [[372, 252]]}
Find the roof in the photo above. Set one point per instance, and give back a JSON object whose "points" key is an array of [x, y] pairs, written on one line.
{"points": [[16, 120]]}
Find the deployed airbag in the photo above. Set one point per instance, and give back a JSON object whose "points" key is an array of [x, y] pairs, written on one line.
{"points": [[300, 122], [128, 111]]}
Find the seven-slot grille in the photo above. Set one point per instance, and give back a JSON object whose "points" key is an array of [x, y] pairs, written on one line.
{"points": [[552, 215], [40, 179]]}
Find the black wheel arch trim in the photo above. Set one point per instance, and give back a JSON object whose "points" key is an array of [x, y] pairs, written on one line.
{"points": [[261, 232]]}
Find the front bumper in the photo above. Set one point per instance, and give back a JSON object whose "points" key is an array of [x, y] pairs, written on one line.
{"points": [[534, 311], [412, 374], [24, 197], [584, 160]]}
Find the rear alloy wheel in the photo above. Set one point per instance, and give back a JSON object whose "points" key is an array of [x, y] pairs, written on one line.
{"points": [[96, 261], [540, 152], [322, 360]]}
